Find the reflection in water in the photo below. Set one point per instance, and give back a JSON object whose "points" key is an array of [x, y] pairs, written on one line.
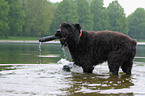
{"points": [[50, 55], [8, 67], [27, 53], [140, 56], [97, 85], [48, 78], [51, 80], [30, 53]]}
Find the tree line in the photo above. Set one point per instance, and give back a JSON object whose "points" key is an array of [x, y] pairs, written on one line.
{"points": [[11, 17], [30, 18], [92, 16], [37, 18]]}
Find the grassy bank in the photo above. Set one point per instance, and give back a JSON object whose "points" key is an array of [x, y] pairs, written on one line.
{"points": [[19, 38]]}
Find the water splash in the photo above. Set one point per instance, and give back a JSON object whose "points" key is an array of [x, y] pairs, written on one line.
{"points": [[67, 59], [66, 53], [40, 47], [40, 51], [71, 65], [64, 61]]}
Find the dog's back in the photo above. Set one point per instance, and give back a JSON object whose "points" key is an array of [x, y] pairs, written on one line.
{"points": [[89, 48]]}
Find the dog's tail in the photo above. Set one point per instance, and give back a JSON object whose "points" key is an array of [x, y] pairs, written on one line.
{"points": [[133, 49], [134, 42]]}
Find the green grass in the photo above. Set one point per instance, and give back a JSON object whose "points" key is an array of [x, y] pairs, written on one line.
{"points": [[141, 40], [19, 38]]}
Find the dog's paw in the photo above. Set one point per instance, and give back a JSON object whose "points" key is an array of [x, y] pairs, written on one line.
{"points": [[66, 68]]}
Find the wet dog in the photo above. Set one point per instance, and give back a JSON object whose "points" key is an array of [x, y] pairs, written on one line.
{"points": [[90, 48]]}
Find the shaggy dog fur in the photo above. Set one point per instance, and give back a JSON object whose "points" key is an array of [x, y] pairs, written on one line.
{"points": [[90, 48]]}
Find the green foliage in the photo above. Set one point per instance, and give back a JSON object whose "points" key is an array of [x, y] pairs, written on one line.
{"points": [[85, 16], [38, 17], [20, 38], [136, 23], [65, 12], [117, 17], [4, 10], [16, 18], [100, 16]]}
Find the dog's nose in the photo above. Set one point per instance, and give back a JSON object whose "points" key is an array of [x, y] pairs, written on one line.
{"points": [[59, 30]]}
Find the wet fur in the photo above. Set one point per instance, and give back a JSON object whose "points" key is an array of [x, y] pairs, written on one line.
{"points": [[93, 48]]}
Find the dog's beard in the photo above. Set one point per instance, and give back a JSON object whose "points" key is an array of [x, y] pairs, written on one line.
{"points": [[63, 42]]}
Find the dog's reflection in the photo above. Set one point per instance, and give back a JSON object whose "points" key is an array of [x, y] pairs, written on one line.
{"points": [[93, 84]]}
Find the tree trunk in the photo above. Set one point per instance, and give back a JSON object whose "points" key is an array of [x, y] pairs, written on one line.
{"points": [[6, 35]]}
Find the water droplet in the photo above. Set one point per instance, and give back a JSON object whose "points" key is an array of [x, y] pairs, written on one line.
{"points": [[40, 47]]}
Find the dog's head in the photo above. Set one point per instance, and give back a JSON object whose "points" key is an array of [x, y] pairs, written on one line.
{"points": [[68, 32]]}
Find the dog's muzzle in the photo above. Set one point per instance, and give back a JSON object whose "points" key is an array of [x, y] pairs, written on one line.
{"points": [[62, 39], [59, 30], [58, 33]]}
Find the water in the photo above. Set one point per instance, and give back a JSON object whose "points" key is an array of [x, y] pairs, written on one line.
{"points": [[28, 70]]}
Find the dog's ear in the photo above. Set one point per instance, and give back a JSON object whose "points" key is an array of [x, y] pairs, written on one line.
{"points": [[78, 26]]}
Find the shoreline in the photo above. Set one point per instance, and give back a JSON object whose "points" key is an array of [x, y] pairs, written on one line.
{"points": [[140, 43], [25, 41], [34, 41]]}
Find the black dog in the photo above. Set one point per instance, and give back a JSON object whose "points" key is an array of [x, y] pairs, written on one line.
{"points": [[89, 48]]}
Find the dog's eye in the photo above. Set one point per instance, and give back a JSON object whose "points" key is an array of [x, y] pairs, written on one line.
{"points": [[65, 27], [62, 27]]}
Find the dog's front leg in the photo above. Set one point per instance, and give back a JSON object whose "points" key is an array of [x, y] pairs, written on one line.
{"points": [[88, 68]]}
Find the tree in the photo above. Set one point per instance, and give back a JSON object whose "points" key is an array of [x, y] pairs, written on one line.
{"points": [[4, 10], [84, 13], [136, 24], [65, 12], [39, 15], [16, 18], [100, 16], [117, 17]]}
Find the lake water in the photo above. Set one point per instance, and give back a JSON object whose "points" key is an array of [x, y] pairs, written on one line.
{"points": [[27, 69]]}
